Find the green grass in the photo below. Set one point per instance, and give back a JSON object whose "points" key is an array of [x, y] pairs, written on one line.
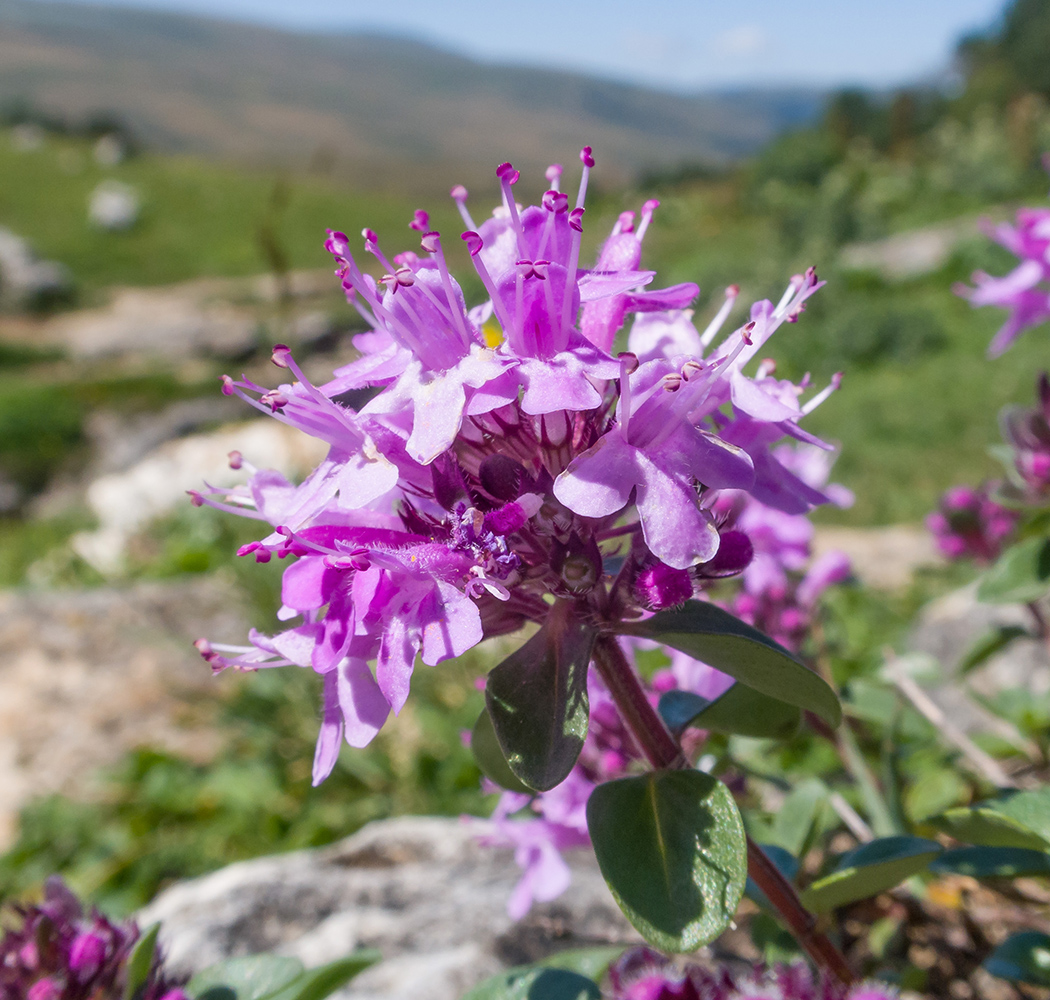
{"points": [[198, 219]]}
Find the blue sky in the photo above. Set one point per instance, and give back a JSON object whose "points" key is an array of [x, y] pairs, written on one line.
{"points": [[680, 44]]}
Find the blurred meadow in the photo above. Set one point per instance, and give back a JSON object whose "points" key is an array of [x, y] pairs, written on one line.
{"points": [[881, 191]]}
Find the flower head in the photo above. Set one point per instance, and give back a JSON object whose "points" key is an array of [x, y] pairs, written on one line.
{"points": [[507, 457]]}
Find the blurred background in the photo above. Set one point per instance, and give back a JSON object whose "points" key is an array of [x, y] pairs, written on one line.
{"points": [[166, 178]]}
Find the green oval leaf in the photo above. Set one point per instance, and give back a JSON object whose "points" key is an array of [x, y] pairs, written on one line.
{"points": [[140, 961], [719, 639], [992, 862], [252, 977], [672, 849], [1022, 958], [870, 869], [537, 699], [740, 710], [487, 752], [323, 981], [536, 983], [1016, 819], [590, 962], [1021, 574]]}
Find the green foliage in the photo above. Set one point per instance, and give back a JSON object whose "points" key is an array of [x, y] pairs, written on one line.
{"points": [[198, 219], [140, 961], [1020, 575], [671, 847], [486, 749], [1022, 958], [715, 637], [992, 862], [536, 983], [740, 710], [869, 870], [537, 700], [272, 977]]}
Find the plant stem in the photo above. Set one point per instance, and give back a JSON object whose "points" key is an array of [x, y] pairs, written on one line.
{"points": [[661, 749]]}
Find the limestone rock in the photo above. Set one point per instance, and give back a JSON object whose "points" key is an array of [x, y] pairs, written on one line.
{"points": [[422, 891]]}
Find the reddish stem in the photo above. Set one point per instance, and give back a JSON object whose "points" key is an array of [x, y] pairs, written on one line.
{"points": [[661, 749]]}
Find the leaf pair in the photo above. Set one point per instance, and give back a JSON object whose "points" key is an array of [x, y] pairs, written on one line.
{"points": [[537, 698]]}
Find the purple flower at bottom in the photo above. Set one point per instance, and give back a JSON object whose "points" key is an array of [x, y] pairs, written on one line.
{"points": [[56, 952], [642, 974]]}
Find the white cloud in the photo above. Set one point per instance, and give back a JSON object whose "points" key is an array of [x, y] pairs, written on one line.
{"points": [[743, 40]]}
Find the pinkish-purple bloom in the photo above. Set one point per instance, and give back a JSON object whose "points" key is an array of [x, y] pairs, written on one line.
{"points": [[1025, 291], [507, 457]]}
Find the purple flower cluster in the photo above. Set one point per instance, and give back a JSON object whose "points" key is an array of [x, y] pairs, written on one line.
{"points": [[1025, 291], [58, 953], [969, 524], [509, 457], [641, 974]]}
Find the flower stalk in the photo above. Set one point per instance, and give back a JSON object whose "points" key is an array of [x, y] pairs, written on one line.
{"points": [[663, 752]]}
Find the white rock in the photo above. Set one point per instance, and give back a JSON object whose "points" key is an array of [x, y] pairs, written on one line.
{"points": [[125, 502], [422, 891], [112, 205]]}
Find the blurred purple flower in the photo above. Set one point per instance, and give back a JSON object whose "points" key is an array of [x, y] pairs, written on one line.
{"points": [[969, 524], [1025, 291], [56, 952]]}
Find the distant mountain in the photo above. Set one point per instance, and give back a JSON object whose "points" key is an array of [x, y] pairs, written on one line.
{"points": [[377, 106]]}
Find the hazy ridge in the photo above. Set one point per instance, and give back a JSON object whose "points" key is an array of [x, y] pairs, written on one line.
{"points": [[375, 106]]}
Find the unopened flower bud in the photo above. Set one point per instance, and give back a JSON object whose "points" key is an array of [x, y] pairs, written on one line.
{"points": [[662, 586], [734, 555]]}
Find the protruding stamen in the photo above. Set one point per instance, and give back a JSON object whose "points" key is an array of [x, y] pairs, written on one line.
{"points": [[628, 365], [372, 247], [337, 244], [732, 292], [647, 216], [576, 225], [836, 381], [236, 459], [555, 201], [431, 242], [280, 355], [274, 399], [691, 369], [421, 222], [507, 176], [474, 245], [553, 175], [624, 224], [588, 161], [766, 368], [459, 196], [227, 385], [672, 382]]}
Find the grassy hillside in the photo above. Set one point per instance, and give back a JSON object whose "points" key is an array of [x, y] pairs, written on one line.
{"points": [[382, 110]]}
